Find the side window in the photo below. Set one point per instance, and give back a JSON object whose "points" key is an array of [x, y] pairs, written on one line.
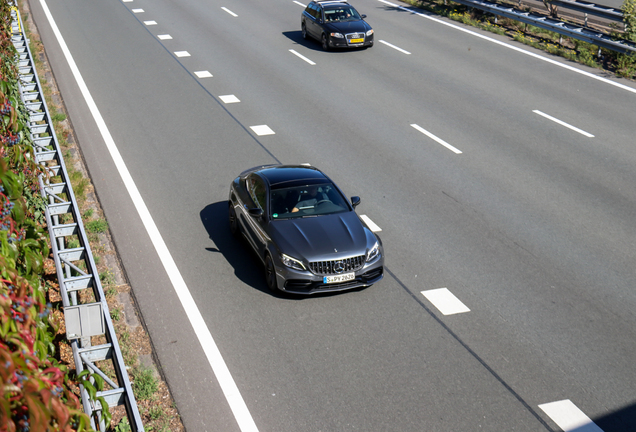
{"points": [[312, 10], [318, 12], [257, 191]]}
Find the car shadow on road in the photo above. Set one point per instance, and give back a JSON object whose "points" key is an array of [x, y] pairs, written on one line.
{"points": [[296, 36], [620, 420], [235, 250]]}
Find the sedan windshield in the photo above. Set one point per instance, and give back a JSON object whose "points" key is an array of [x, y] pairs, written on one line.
{"points": [[303, 201], [342, 13]]}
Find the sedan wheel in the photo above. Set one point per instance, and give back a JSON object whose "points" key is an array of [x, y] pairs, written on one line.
{"points": [[270, 274], [233, 221], [325, 44], [304, 30]]}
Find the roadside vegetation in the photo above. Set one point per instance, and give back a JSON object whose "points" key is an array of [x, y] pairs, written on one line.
{"points": [[36, 387], [622, 65], [37, 372]]}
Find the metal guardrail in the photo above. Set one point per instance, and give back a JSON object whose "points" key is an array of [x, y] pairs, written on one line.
{"points": [[76, 269], [591, 8], [577, 32]]}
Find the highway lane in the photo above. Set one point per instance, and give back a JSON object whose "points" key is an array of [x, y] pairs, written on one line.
{"points": [[500, 225]]}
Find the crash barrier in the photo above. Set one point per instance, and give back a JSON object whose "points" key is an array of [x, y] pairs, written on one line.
{"points": [[606, 12], [585, 34], [75, 266], [538, 20]]}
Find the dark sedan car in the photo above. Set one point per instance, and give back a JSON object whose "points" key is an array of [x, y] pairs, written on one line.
{"points": [[336, 24], [304, 230]]}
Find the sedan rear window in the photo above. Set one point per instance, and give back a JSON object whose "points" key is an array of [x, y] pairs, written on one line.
{"points": [[309, 200]]}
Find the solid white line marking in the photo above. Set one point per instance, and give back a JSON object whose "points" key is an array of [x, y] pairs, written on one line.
{"points": [[369, 223], [568, 417], [394, 47], [261, 130], [445, 301], [137, 10], [150, 22], [211, 350], [182, 54], [562, 123], [203, 74], [300, 4], [164, 37], [229, 11], [229, 99], [439, 140], [512, 47], [302, 57]]}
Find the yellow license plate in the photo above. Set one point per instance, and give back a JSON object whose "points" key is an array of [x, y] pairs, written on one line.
{"points": [[356, 40]]}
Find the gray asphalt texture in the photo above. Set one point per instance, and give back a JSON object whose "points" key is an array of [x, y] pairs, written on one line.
{"points": [[532, 226]]}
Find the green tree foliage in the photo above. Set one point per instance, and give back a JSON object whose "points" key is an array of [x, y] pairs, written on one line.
{"points": [[34, 392]]}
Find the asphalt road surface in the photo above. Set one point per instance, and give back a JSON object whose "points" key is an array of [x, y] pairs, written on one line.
{"points": [[502, 180]]}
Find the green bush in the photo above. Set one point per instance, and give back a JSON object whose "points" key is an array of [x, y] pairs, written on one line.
{"points": [[34, 389]]}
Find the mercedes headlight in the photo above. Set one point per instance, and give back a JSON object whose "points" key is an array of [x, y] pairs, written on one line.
{"points": [[374, 252], [292, 262]]}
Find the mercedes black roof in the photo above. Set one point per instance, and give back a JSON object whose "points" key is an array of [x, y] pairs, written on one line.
{"points": [[282, 176]]}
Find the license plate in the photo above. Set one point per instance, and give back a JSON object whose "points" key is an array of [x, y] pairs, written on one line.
{"points": [[356, 40], [339, 278]]}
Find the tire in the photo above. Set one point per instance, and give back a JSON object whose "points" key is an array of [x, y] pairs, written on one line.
{"points": [[234, 228], [325, 42], [270, 274], [304, 31]]}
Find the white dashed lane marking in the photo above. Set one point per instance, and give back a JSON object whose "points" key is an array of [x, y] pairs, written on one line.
{"points": [[229, 11], [164, 37], [182, 54], [568, 417], [203, 74], [261, 130], [229, 99], [302, 57], [368, 222], [433, 137], [138, 11], [150, 22], [562, 123], [445, 301], [300, 4], [198, 325], [394, 47]]}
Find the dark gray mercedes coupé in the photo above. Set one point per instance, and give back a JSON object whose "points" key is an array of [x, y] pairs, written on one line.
{"points": [[304, 230]]}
